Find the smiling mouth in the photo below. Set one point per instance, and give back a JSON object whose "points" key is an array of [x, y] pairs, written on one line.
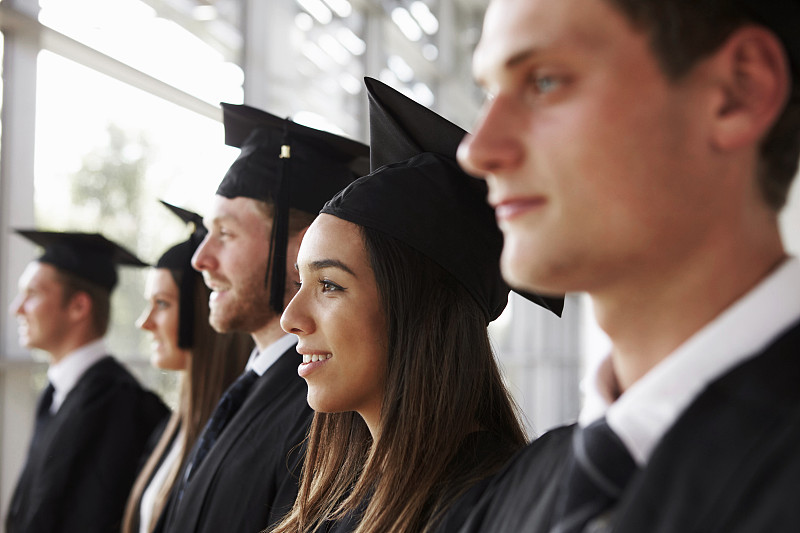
{"points": [[215, 294], [314, 358]]}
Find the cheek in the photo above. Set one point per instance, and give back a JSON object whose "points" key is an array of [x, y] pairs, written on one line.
{"points": [[171, 327], [362, 332], [178, 359], [34, 307], [374, 336], [167, 325]]}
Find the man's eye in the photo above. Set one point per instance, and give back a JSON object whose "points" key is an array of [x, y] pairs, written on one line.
{"points": [[543, 84]]}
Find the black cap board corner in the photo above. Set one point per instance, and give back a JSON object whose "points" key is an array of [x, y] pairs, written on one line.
{"points": [[89, 256]]}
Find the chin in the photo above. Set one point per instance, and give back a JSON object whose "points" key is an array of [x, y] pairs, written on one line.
{"points": [[165, 361], [517, 268], [218, 323], [157, 361], [319, 405], [527, 272]]}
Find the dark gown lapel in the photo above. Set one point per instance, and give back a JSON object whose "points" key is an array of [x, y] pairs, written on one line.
{"points": [[521, 496], [80, 448], [736, 437], [53, 430], [268, 387], [729, 464]]}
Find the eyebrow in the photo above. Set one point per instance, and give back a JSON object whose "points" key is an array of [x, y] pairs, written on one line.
{"points": [[329, 263], [512, 62], [162, 294], [519, 57], [219, 219]]}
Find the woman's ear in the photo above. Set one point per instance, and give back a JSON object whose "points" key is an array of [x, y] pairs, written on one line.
{"points": [[753, 76]]}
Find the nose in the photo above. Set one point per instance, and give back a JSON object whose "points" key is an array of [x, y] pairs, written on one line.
{"points": [[16, 305], [145, 320], [202, 258], [495, 144], [295, 318]]}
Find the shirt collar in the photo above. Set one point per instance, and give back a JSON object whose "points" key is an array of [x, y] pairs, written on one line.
{"points": [[65, 374], [644, 413], [260, 362]]}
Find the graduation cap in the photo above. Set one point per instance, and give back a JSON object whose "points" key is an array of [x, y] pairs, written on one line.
{"points": [[783, 18], [89, 256], [418, 194], [179, 259], [290, 166]]}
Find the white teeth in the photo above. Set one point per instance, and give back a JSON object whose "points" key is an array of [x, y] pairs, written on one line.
{"points": [[314, 358]]}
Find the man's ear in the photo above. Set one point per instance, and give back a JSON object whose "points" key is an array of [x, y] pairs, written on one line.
{"points": [[80, 306], [302, 233], [753, 74]]}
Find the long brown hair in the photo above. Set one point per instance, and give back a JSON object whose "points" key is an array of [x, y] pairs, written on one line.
{"points": [[442, 384], [216, 361]]}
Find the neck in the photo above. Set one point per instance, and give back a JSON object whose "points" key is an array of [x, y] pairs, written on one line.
{"points": [[374, 428], [654, 310], [269, 333], [68, 346]]}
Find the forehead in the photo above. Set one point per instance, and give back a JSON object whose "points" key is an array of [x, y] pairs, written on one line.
{"points": [[518, 28], [330, 237], [160, 280], [239, 210], [39, 275]]}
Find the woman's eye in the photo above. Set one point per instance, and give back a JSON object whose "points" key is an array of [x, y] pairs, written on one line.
{"points": [[162, 304], [329, 286]]}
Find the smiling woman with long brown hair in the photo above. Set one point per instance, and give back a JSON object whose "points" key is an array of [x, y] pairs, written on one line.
{"points": [[177, 317], [399, 280]]}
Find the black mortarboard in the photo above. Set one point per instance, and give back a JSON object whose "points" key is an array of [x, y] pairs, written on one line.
{"points": [[782, 17], [290, 166], [418, 194], [89, 256], [179, 259]]}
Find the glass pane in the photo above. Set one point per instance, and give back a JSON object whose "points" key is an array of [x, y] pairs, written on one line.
{"points": [[132, 32], [105, 152], [329, 53]]}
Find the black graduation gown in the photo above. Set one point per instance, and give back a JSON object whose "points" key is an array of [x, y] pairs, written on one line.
{"points": [[249, 479], [476, 450], [82, 464], [730, 463]]}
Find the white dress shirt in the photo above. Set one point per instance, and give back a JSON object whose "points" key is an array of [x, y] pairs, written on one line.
{"points": [[66, 373], [643, 414], [157, 481], [260, 362]]}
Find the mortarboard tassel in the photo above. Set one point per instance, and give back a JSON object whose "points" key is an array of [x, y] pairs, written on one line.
{"points": [[280, 229]]}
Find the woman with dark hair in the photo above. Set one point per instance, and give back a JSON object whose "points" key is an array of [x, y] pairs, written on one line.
{"points": [[399, 280], [183, 341]]}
